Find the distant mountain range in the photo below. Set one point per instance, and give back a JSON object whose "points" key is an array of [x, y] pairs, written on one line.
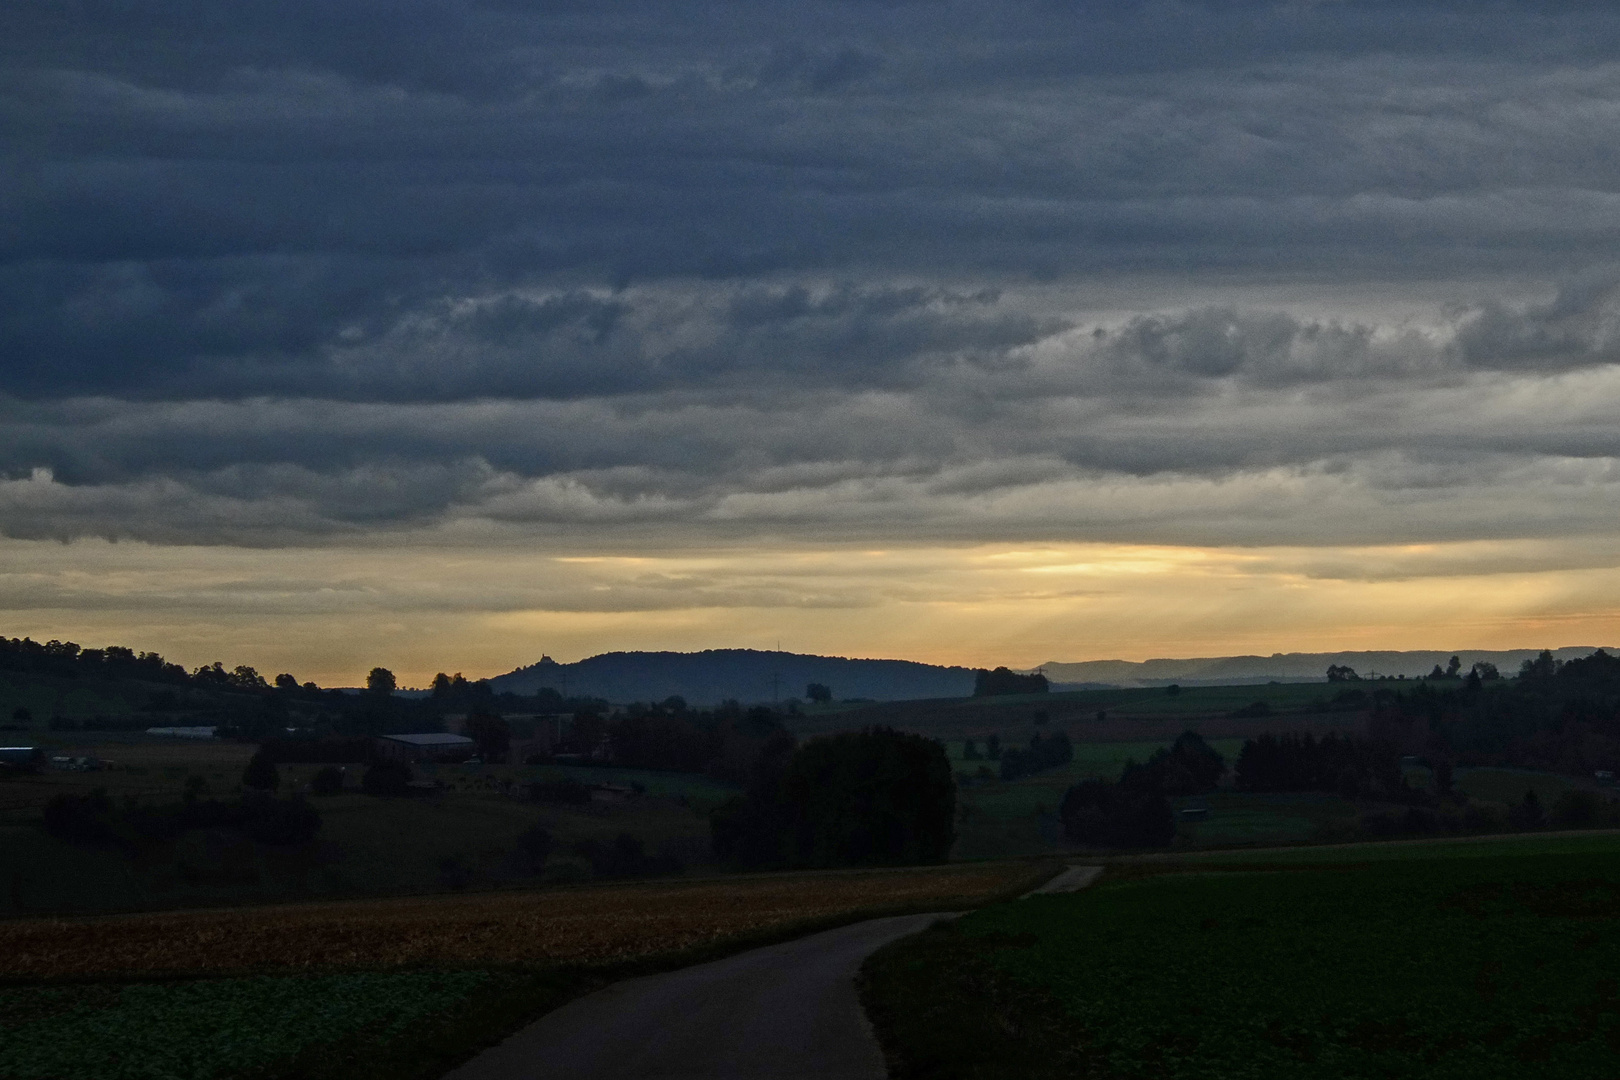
{"points": [[1287, 667], [749, 675]]}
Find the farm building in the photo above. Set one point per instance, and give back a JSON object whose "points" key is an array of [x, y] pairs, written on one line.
{"points": [[183, 732], [431, 746], [19, 757]]}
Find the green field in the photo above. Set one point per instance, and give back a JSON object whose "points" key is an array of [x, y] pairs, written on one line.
{"points": [[1020, 818], [1463, 960]]}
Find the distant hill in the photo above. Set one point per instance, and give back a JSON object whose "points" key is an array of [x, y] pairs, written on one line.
{"points": [[749, 675], [1286, 666]]}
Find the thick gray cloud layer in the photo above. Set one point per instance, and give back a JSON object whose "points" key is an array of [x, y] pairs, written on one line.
{"points": [[279, 273]]}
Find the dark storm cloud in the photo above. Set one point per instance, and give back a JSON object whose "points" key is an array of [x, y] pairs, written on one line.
{"points": [[284, 271]]}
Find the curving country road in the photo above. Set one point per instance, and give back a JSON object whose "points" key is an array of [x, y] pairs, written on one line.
{"points": [[787, 1010]]}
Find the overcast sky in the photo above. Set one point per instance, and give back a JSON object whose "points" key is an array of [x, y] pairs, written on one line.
{"points": [[438, 335]]}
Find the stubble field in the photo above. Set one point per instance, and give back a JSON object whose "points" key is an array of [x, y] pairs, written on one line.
{"points": [[590, 925]]}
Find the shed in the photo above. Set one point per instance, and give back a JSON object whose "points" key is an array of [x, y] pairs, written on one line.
{"points": [[429, 746]]}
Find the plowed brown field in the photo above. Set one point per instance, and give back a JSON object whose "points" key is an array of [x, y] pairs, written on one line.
{"points": [[585, 925]]}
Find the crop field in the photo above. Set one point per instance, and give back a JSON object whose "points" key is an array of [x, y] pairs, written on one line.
{"points": [[1494, 966], [561, 926], [259, 1026]]}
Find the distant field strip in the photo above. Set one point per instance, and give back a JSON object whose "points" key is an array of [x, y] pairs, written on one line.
{"points": [[565, 926]]}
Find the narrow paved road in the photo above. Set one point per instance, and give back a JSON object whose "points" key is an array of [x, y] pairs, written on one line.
{"points": [[788, 1010]]}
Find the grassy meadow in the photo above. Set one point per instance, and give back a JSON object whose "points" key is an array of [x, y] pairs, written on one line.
{"points": [[1470, 960]]}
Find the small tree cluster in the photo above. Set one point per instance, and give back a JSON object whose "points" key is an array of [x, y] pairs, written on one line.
{"points": [[1342, 763], [1047, 753], [1190, 767], [874, 797], [1006, 681], [1109, 814]]}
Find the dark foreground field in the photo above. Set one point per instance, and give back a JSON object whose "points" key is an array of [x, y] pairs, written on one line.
{"points": [[1470, 961], [394, 989]]}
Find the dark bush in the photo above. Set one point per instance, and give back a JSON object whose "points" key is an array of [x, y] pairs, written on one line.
{"points": [[1380, 826], [1479, 817], [81, 819], [875, 797], [389, 779], [1042, 754], [1293, 762], [1110, 814], [283, 822], [1577, 810], [328, 781], [871, 797], [261, 773], [536, 845], [1528, 813], [455, 872], [1005, 681], [1419, 821], [491, 734], [1190, 767], [566, 791]]}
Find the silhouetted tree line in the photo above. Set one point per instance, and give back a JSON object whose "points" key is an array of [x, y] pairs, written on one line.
{"points": [[1557, 717], [869, 798], [1348, 764], [1047, 753], [93, 819], [1006, 681], [68, 659], [723, 742], [1135, 810]]}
